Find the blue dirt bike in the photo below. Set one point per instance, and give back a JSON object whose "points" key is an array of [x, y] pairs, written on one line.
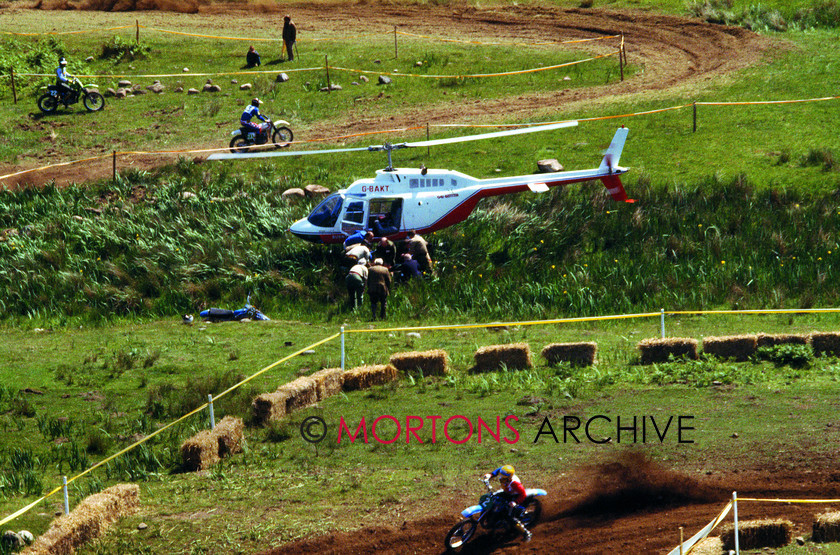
{"points": [[224, 315], [493, 514]]}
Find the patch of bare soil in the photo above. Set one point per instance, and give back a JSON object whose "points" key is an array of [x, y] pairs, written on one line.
{"points": [[627, 506], [673, 51]]}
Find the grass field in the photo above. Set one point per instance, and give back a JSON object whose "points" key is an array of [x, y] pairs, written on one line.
{"points": [[740, 214]]}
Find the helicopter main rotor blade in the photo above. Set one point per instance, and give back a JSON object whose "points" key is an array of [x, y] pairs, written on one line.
{"points": [[482, 136], [271, 154]]}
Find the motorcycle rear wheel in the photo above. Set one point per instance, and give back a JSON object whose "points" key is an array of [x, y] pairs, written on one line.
{"points": [[459, 535], [532, 513], [239, 144], [93, 101], [282, 137], [48, 103]]}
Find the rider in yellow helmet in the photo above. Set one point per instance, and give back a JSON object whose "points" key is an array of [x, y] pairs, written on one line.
{"points": [[514, 491]]}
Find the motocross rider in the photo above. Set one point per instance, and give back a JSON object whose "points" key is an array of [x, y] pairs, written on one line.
{"points": [[252, 110], [514, 491], [62, 78]]}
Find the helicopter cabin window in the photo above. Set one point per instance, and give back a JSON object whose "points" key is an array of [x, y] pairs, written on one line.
{"points": [[385, 216], [423, 182], [355, 212], [326, 213]]}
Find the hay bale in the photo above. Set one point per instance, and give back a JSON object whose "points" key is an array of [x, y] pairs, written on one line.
{"points": [[826, 527], [755, 534], [661, 350], [201, 451], [302, 392], [515, 356], [430, 363], [87, 521], [269, 406], [826, 344], [578, 354], [772, 340], [229, 435], [328, 382], [738, 347], [364, 377], [708, 546]]}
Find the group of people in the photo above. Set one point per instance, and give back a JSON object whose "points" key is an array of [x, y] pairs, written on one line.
{"points": [[372, 267], [252, 58]]}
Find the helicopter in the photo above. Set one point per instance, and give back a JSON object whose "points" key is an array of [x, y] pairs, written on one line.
{"points": [[400, 200]]}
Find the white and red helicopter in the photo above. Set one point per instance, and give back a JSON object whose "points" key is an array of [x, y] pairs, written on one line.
{"points": [[399, 200]]}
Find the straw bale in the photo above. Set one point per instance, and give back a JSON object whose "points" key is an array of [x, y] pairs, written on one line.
{"points": [[514, 356], [660, 350], [578, 354], [772, 340], [738, 347], [229, 434], [364, 377], [430, 363], [328, 382], [755, 534], [87, 521], [826, 527], [201, 451], [708, 546], [269, 406], [302, 393], [826, 344]]}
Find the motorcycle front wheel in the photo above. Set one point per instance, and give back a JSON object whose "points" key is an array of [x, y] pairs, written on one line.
{"points": [[282, 137], [459, 535], [48, 103], [239, 145], [93, 101]]}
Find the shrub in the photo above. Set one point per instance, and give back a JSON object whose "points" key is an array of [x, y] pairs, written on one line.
{"points": [[795, 356], [120, 49]]}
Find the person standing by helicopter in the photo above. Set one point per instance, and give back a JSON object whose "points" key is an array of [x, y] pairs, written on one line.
{"points": [[251, 111], [355, 281], [418, 248], [62, 78]]}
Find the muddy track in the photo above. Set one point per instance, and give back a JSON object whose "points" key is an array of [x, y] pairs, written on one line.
{"points": [[674, 52]]}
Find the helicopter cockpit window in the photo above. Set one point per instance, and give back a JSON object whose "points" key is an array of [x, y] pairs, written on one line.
{"points": [[326, 213]]}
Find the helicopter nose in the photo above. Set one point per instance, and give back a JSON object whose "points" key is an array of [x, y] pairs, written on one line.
{"points": [[306, 231]]}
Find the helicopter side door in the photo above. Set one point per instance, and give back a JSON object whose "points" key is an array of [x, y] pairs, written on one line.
{"points": [[355, 216]]}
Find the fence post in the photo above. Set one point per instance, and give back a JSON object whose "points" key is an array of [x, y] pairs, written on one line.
{"points": [[735, 515], [428, 152], [342, 348], [137, 27], [662, 321], [694, 117], [66, 497], [327, 65], [395, 43], [14, 91], [114, 166], [621, 60], [212, 415], [681, 540]]}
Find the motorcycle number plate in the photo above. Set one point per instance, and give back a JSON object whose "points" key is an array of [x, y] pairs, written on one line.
{"points": [[53, 93]]}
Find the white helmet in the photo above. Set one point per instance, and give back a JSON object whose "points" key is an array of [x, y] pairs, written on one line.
{"points": [[62, 62]]}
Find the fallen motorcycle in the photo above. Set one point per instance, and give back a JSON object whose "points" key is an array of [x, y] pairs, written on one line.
{"points": [[244, 137], [493, 514], [224, 315], [92, 100]]}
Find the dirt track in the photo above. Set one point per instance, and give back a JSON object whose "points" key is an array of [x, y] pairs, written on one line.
{"points": [[674, 52]]}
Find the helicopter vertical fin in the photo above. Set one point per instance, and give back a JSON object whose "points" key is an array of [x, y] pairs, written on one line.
{"points": [[615, 188]]}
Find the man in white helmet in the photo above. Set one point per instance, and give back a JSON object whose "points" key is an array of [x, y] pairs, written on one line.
{"points": [[62, 78]]}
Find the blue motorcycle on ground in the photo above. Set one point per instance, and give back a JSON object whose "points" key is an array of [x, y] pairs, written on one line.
{"points": [[224, 315]]}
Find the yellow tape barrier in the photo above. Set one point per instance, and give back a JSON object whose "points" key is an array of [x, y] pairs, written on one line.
{"points": [[759, 499], [161, 430]]}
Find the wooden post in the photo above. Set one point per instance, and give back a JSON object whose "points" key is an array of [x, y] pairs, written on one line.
{"points": [[427, 138], [395, 43], [694, 118], [623, 52], [137, 28], [681, 540], [114, 166], [14, 91], [620, 64], [327, 65]]}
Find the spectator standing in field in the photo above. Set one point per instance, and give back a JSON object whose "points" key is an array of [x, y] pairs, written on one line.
{"points": [[355, 281], [386, 251], [379, 286], [252, 58], [419, 251], [289, 36]]}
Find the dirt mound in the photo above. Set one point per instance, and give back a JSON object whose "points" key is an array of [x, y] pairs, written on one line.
{"points": [[180, 6], [635, 483]]}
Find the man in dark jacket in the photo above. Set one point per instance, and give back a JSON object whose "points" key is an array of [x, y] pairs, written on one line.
{"points": [[289, 36], [407, 269], [379, 286], [387, 251]]}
